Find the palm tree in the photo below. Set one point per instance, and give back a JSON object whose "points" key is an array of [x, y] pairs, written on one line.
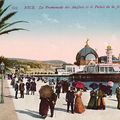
{"points": [[4, 25]]}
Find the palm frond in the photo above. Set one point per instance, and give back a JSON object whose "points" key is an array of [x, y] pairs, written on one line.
{"points": [[10, 30], [11, 24], [8, 16], [1, 3], [4, 10], [4, 26]]}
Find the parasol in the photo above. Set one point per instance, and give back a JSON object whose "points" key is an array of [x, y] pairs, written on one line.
{"points": [[46, 91], [94, 85], [110, 83], [79, 85], [104, 88]]}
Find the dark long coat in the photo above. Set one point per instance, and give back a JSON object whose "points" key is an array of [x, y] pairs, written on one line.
{"points": [[118, 97], [70, 96], [92, 104], [33, 86], [21, 86], [43, 107]]}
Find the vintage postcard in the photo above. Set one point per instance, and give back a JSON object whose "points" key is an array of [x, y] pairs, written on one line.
{"points": [[59, 59]]}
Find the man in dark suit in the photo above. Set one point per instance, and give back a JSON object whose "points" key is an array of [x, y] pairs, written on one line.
{"points": [[58, 89], [16, 90], [52, 102], [27, 87], [70, 99], [21, 88]]}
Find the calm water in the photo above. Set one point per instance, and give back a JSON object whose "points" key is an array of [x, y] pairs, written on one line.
{"points": [[85, 83], [104, 83]]}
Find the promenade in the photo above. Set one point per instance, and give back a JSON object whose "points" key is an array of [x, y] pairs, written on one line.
{"points": [[7, 109], [27, 108]]}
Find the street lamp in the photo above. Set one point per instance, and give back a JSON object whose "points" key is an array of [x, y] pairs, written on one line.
{"points": [[17, 71], [2, 67]]}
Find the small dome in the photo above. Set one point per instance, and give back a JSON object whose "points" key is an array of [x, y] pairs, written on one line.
{"points": [[109, 47]]}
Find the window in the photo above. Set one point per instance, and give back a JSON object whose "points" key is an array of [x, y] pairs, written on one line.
{"points": [[111, 69], [90, 57], [69, 69], [101, 69], [73, 69], [106, 69]]}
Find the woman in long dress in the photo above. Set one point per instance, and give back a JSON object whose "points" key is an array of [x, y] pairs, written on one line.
{"points": [[101, 101], [79, 107], [45, 92], [44, 106], [92, 104]]}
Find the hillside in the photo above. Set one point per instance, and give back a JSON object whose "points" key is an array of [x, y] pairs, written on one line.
{"points": [[24, 60], [58, 62], [33, 66]]}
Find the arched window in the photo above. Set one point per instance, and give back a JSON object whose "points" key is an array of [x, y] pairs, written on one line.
{"points": [[90, 57]]}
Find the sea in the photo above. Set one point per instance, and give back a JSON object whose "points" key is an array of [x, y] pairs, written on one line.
{"points": [[86, 83]]}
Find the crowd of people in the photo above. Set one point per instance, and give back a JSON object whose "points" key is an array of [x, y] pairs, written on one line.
{"points": [[73, 96], [20, 86]]}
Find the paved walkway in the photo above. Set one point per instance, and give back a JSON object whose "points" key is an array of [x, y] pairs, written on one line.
{"points": [[27, 108], [7, 109]]}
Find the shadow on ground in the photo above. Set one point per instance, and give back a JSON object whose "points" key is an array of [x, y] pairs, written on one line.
{"points": [[112, 107], [65, 104], [112, 99], [61, 109], [9, 96], [30, 113], [7, 87]]}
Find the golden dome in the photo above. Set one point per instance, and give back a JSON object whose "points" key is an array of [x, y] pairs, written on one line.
{"points": [[109, 47]]}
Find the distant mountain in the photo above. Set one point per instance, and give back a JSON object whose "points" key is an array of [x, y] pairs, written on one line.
{"points": [[25, 60], [30, 66], [57, 62], [54, 62]]}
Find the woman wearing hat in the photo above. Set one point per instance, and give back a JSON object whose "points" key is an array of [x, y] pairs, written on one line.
{"points": [[79, 106]]}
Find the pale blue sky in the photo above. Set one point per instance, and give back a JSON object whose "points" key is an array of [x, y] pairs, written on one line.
{"points": [[90, 19], [100, 25]]}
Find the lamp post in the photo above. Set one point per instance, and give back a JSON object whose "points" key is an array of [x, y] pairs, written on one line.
{"points": [[17, 71], [2, 67]]}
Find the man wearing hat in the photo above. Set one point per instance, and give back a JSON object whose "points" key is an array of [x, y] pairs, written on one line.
{"points": [[52, 102], [70, 99], [16, 89]]}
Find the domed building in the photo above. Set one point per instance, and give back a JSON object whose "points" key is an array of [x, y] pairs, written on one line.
{"points": [[85, 55]]}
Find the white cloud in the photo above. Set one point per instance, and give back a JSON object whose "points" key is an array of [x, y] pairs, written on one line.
{"points": [[36, 23], [78, 26], [49, 19]]}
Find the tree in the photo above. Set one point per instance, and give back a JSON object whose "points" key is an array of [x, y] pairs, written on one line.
{"points": [[4, 25]]}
